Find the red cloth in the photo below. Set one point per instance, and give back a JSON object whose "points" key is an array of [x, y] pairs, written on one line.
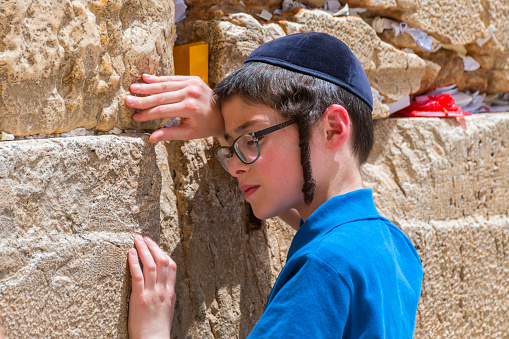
{"points": [[442, 106]]}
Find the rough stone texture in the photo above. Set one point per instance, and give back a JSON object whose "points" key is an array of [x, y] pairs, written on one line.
{"points": [[231, 39], [69, 64], [211, 9], [455, 22], [458, 23], [448, 68], [392, 72], [445, 183], [69, 208], [226, 264]]}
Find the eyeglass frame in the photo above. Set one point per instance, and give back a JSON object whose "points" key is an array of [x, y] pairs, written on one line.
{"points": [[255, 135]]}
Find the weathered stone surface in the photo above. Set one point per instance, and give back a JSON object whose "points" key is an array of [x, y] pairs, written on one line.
{"points": [[454, 22], [448, 68], [437, 169], [230, 40], [392, 72], [68, 64], [233, 38], [69, 208], [226, 266], [464, 293], [210, 9], [444, 184]]}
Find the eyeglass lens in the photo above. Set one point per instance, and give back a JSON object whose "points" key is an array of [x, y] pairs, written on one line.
{"points": [[246, 148]]}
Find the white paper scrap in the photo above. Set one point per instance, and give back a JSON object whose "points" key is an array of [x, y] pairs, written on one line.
{"points": [[343, 11], [172, 122], [265, 15], [462, 99], [422, 39], [7, 136], [180, 10], [401, 103], [356, 11], [477, 104], [491, 30], [451, 89], [332, 6], [408, 50], [242, 3], [470, 64]]}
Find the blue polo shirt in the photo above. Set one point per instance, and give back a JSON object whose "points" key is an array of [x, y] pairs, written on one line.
{"points": [[350, 273]]}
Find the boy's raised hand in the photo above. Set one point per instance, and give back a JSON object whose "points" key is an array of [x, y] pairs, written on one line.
{"points": [[153, 297], [187, 97]]}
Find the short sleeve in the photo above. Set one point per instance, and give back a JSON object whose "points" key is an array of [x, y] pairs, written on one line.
{"points": [[312, 303]]}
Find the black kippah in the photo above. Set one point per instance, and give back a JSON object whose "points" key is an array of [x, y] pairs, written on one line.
{"points": [[319, 55]]}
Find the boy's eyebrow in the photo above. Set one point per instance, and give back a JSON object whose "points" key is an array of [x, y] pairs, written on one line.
{"points": [[242, 128]]}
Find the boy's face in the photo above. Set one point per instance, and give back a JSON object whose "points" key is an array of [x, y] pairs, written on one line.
{"points": [[273, 183]]}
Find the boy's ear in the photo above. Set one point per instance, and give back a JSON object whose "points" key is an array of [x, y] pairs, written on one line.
{"points": [[336, 125]]}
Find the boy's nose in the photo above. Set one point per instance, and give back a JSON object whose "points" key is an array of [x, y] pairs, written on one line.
{"points": [[236, 167]]}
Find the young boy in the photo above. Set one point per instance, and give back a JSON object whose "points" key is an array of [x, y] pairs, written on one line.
{"points": [[297, 121]]}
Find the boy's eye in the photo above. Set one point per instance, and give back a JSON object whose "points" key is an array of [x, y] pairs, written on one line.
{"points": [[251, 143]]}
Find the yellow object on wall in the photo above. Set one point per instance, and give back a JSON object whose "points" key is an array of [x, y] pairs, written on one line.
{"points": [[192, 59]]}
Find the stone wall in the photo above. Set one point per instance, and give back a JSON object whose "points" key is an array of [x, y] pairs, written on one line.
{"points": [[69, 207], [444, 184], [69, 64]]}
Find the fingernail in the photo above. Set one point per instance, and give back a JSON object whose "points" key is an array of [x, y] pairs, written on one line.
{"points": [[148, 239], [147, 75], [135, 87], [139, 237], [130, 100], [132, 252]]}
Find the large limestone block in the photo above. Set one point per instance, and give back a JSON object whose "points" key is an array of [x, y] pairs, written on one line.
{"points": [[69, 208], [231, 39], [440, 169], [392, 72], [444, 183], [69, 64], [464, 292], [226, 263], [452, 21]]}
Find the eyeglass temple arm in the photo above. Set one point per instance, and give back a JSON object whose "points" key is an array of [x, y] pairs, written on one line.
{"points": [[273, 128]]}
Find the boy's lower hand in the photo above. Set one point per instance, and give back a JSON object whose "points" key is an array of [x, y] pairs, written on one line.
{"points": [[153, 297], [187, 97]]}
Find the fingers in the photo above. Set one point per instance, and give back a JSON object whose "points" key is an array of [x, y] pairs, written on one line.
{"points": [[149, 266], [158, 267], [161, 259], [136, 273], [171, 133], [149, 78], [162, 112], [158, 87], [155, 99]]}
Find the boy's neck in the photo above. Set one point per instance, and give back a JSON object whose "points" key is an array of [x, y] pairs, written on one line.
{"points": [[345, 180]]}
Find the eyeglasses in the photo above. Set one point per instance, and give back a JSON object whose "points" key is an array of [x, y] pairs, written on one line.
{"points": [[246, 147]]}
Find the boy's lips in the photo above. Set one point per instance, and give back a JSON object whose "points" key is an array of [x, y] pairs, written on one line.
{"points": [[248, 190]]}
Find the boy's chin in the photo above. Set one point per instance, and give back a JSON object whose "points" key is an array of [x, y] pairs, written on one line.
{"points": [[263, 214]]}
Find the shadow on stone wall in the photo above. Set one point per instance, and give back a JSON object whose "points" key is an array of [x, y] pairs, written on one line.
{"points": [[224, 263]]}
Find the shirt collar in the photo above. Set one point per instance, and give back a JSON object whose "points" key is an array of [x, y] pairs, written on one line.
{"points": [[341, 209]]}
